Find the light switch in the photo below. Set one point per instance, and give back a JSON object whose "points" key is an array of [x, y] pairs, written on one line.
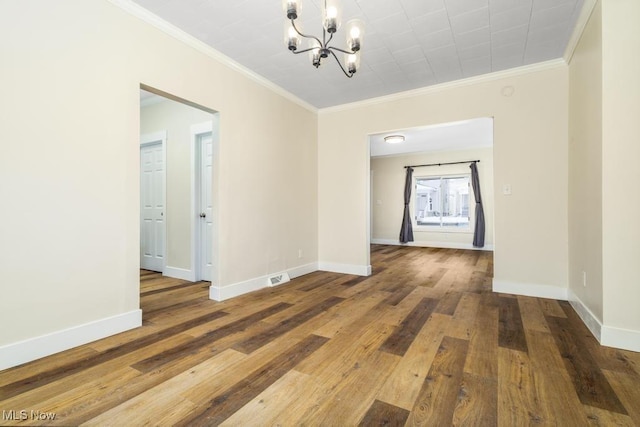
{"points": [[506, 189]]}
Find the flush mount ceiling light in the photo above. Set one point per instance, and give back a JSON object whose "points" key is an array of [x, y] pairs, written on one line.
{"points": [[394, 139], [318, 50]]}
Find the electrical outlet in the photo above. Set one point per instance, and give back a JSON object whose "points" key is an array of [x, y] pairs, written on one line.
{"points": [[299, 253], [506, 189], [584, 279]]}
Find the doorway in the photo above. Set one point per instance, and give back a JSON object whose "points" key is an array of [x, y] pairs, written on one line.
{"points": [[186, 249], [439, 154]]}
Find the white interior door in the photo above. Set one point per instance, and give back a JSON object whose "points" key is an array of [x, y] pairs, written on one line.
{"points": [[152, 207], [206, 205]]}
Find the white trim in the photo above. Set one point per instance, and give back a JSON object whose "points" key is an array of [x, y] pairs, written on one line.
{"points": [[512, 72], [152, 138], [179, 273], [45, 345], [578, 29], [531, 290], [358, 270], [588, 318], [146, 140], [240, 288], [429, 244], [175, 32], [625, 339]]}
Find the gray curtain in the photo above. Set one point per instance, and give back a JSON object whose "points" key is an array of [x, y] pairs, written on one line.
{"points": [[478, 234], [406, 232]]}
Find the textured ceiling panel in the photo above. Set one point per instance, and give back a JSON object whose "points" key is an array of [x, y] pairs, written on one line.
{"points": [[408, 44]]}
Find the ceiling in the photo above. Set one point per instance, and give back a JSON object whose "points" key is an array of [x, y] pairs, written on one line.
{"points": [[408, 44], [467, 134]]}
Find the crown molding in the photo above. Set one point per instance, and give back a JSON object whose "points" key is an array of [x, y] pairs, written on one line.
{"points": [[512, 72], [143, 14], [578, 29]]}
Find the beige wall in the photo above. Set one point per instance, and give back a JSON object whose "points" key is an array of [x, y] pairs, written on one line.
{"points": [[176, 119], [70, 173], [620, 157], [530, 154], [585, 167], [388, 184]]}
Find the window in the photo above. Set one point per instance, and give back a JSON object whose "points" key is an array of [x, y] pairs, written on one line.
{"points": [[442, 202]]}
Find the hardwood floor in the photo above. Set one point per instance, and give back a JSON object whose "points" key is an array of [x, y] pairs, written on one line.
{"points": [[423, 341]]}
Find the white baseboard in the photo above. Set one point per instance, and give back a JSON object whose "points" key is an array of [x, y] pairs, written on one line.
{"points": [[625, 339], [358, 270], [179, 273], [34, 348], [240, 288], [588, 318], [531, 290], [610, 336], [443, 245]]}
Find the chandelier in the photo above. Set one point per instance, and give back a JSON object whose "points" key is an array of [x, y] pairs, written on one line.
{"points": [[320, 49]]}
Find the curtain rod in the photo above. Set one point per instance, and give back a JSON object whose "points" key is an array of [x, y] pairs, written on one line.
{"points": [[442, 164]]}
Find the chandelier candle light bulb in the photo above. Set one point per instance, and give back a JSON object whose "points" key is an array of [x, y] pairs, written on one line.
{"points": [[291, 8], [314, 53], [331, 22], [353, 62], [319, 47], [355, 31], [291, 37]]}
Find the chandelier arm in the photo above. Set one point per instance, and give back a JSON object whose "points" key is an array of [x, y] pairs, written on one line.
{"points": [[329, 41], [340, 64], [296, 52], [293, 24], [341, 50]]}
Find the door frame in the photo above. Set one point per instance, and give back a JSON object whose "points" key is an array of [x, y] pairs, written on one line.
{"points": [[197, 130], [146, 140]]}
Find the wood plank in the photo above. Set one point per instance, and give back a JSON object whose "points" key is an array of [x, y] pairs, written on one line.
{"points": [[350, 311], [384, 414], [208, 339], [265, 408], [253, 343], [353, 394], [477, 402], [627, 388], [519, 402], [405, 382], [464, 319], [597, 417], [400, 340], [588, 380], [553, 383], [80, 403], [511, 331], [54, 374], [482, 359], [223, 405], [438, 397], [532, 314], [448, 303], [163, 403], [551, 307], [399, 294]]}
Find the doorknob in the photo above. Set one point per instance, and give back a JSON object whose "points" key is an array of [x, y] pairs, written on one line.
{"points": [[202, 215]]}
